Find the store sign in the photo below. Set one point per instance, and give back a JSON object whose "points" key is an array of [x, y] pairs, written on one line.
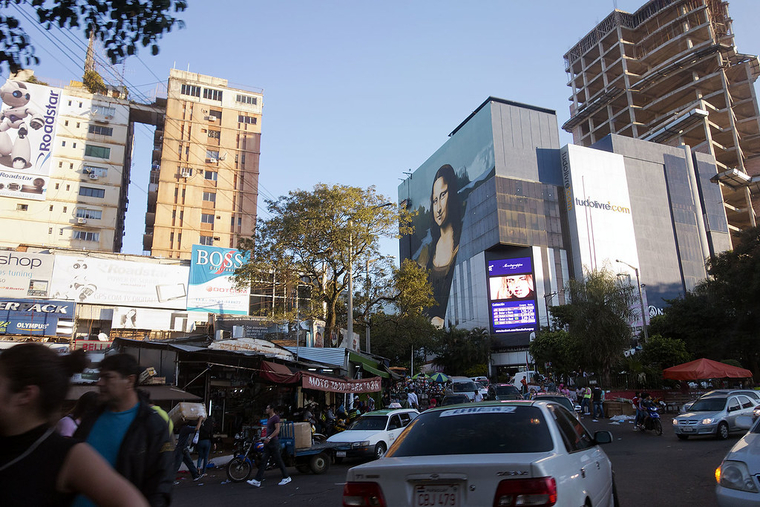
{"points": [[25, 274], [36, 317], [338, 385], [212, 287], [92, 345]]}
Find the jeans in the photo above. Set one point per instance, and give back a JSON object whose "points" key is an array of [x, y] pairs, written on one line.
{"points": [[598, 409], [585, 406], [271, 449], [183, 455], [203, 447]]}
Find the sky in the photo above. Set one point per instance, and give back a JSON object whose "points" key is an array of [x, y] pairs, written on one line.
{"points": [[357, 93]]}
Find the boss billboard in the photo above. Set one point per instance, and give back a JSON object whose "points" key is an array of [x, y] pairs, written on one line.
{"points": [[212, 287], [25, 274]]}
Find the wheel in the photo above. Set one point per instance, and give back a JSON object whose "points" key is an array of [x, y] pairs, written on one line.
{"points": [[722, 431], [683, 437], [238, 469], [319, 463], [658, 427], [304, 469], [380, 449]]}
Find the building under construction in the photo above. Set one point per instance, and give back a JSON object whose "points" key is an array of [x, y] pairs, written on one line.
{"points": [[671, 73]]}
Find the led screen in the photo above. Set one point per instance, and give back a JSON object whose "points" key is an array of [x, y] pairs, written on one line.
{"points": [[512, 295]]}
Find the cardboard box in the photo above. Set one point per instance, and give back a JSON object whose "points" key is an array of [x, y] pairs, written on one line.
{"points": [[302, 432], [184, 412]]}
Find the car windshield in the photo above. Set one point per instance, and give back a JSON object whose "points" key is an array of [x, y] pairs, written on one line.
{"points": [[708, 405], [509, 429], [369, 422], [453, 400], [558, 399], [464, 387], [506, 390]]}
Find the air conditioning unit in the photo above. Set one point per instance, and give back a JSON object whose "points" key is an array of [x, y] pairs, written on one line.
{"points": [[211, 161], [93, 176], [81, 221], [217, 238], [211, 118], [185, 174]]}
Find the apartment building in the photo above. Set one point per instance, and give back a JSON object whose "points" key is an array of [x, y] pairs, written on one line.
{"points": [[671, 73], [204, 174]]}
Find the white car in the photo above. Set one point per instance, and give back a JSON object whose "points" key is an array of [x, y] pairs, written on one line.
{"points": [[493, 453], [737, 476], [372, 433]]}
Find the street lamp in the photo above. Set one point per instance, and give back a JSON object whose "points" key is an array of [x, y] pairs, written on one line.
{"points": [[350, 326], [547, 298], [641, 299]]}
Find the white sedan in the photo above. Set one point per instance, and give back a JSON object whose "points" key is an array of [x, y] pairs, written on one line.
{"points": [[738, 474], [372, 433], [493, 453]]}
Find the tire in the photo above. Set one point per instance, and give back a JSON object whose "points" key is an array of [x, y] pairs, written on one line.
{"points": [[683, 437], [380, 449], [658, 427], [319, 463], [238, 469], [722, 432]]}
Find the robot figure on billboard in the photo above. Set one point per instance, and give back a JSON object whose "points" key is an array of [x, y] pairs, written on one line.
{"points": [[16, 95]]}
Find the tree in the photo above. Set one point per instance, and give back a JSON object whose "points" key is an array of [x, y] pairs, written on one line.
{"points": [[94, 82], [661, 352], [311, 237], [401, 336], [597, 318], [119, 24], [462, 351], [557, 348]]}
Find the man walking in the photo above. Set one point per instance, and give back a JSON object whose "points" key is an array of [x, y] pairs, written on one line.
{"points": [[129, 434], [271, 448], [598, 396]]}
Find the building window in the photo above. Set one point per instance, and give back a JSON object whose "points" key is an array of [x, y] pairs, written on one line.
{"points": [[92, 192], [246, 99], [51, 207], [216, 114], [185, 172], [50, 230], [60, 232], [93, 214], [207, 240], [247, 119], [86, 235], [103, 111], [207, 218], [99, 172], [100, 130], [212, 155], [66, 123], [74, 145], [64, 209], [211, 94], [193, 91], [211, 175], [209, 196], [63, 143], [22, 207], [214, 134], [97, 151]]}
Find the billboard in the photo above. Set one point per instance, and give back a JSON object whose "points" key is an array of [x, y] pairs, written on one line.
{"points": [[212, 286], [36, 317], [512, 295], [438, 193], [24, 274], [119, 282], [27, 131], [156, 320]]}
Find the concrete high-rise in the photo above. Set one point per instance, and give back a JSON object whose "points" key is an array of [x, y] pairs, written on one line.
{"points": [[671, 73], [204, 177]]}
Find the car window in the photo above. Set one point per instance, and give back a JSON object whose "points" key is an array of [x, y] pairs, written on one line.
{"points": [[395, 423], [752, 395], [509, 429], [574, 434], [464, 387], [746, 402], [371, 422], [405, 418], [708, 405], [733, 404]]}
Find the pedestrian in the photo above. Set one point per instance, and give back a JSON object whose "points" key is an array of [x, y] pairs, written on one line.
{"points": [[598, 397], [478, 396], [38, 466], [128, 433], [182, 451], [412, 399], [271, 448], [69, 423]]}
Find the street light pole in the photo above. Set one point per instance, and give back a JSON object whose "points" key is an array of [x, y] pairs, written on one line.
{"points": [[641, 299], [547, 298]]}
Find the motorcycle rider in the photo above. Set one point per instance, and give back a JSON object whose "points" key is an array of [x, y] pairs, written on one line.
{"points": [[644, 404]]}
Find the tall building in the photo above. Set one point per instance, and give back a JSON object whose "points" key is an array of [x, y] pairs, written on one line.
{"points": [[671, 73], [65, 155], [204, 177]]}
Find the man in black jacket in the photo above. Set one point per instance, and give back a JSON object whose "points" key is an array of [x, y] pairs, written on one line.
{"points": [[129, 434]]}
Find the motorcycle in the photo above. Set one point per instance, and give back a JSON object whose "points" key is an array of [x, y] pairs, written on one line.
{"points": [[248, 452], [652, 421]]}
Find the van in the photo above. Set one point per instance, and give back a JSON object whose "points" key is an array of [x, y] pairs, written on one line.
{"points": [[463, 385], [529, 376]]}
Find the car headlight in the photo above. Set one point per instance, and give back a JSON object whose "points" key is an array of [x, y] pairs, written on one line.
{"points": [[364, 443], [708, 420], [675, 422], [735, 475]]}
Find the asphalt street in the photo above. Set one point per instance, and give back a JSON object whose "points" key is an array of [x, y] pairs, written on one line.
{"points": [[649, 470]]}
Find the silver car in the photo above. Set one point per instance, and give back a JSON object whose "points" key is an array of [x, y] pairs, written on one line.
{"points": [[738, 475], [714, 415]]}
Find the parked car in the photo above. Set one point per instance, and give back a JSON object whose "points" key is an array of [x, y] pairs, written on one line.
{"points": [[737, 476], [492, 453], [753, 395], [713, 414], [454, 399], [372, 433], [556, 398], [503, 392], [463, 385]]}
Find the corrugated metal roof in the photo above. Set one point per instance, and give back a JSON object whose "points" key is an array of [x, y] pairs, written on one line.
{"points": [[333, 357]]}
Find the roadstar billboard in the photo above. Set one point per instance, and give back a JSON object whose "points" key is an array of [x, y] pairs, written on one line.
{"points": [[212, 286], [36, 317]]}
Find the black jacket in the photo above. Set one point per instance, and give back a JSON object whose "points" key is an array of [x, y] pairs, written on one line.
{"points": [[146, 455]]}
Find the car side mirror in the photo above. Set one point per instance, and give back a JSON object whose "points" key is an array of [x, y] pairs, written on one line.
{"points": [[602, 437]]}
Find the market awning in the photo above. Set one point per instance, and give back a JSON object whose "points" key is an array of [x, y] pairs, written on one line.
{"points": [[278, 373], [374, 371], [157, 393], [702, 369], [367, 364]]}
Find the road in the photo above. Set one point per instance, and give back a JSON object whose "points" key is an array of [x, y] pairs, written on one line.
{"points": [[650, 470]]}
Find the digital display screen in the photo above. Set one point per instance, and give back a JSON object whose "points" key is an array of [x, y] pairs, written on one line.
{"points": [[512, 295]]}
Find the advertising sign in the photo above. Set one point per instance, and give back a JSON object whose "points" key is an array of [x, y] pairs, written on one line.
{"points": [[156, 320], [512, 295], [25, 274], [92, 345], [36, 317], [119, 282], [212, 287], [339, 385], [29, 115]]}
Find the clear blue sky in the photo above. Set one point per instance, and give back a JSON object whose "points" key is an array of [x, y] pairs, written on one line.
{"points": [[358, 92]]}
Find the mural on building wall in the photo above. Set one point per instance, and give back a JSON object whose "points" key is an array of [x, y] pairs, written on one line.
{"points": [[27, 131], [437, 192]]}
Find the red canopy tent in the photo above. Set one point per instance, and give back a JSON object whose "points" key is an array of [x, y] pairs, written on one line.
{"points": [[704, 369]]}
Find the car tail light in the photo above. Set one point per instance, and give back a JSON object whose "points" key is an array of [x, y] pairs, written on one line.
{"points": [[534, 492], [363, 494]]}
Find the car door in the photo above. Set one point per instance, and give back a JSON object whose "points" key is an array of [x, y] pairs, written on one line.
{"points": [[733, 410], [395, 427], [748, 406], [593, 469]]}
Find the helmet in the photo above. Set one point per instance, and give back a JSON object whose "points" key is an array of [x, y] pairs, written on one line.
{"points": [[259, 446]]}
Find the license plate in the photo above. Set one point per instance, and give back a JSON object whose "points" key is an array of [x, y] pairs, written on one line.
{"points": [[688, 430], [340, 454], [436, 495]]}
